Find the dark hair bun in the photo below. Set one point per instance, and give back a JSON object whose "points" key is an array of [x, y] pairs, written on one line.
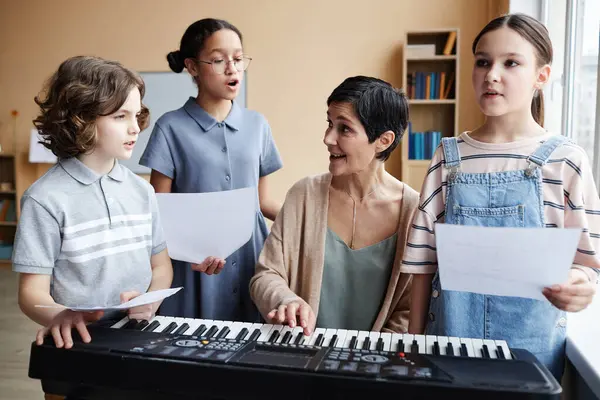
{"points": [[175, 61]]}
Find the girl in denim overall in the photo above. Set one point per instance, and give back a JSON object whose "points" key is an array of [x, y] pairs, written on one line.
{"points": [[509, 172]]}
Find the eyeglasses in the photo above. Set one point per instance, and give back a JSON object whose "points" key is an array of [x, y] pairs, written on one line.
{"points": [[219, 66]]}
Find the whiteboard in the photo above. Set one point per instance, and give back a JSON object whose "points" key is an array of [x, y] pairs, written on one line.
{"points": [[165, 91]]}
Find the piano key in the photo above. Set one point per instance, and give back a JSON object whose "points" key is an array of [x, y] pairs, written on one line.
{"points": [[200, 330], [320, 339], [501, 344], [120, 323], [298, 332], [430, 340], [234, 329], [477, 347], [436, 349], [254, 335], [456, 345], [360, 339], [299, 338], [379, 345], [211, 332], [366, 345], [341, 334], [421, 342], [142, 324], [353, 342], [489, 348], [287, 337], [468, 346], [414, 347], [265, 332], [349, 335], [333, 341], [329, 333], [443, 345], [386, 337], [315, 335], [158, 324], [151, 326], [130, 324], [182, 329], [373, 338], [223, 332], [242, 334], [170, 327], [274, 336], [397, 342]]}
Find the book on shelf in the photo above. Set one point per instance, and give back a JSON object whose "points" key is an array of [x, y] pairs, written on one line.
{"points": [[429, 85], [422, 145]]}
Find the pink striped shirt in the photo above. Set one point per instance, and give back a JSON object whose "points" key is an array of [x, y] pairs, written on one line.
{"points": [[569, 194]]}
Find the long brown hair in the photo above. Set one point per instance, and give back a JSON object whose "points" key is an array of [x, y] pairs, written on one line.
{"points": [[81, 90], [535, 33]]}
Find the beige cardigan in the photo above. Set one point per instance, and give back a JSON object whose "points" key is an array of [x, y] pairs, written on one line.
{"points": [[291, 261]]}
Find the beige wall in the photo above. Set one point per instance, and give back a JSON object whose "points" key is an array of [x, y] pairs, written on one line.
{"points": [[301, 51]]}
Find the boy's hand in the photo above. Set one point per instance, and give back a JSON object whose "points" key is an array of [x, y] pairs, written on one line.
{"points": [[210, 265], [140, 312], [574, 295], [63, 322]]}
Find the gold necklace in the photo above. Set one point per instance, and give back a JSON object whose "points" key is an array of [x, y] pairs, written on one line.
{"points": [[354, 212]]}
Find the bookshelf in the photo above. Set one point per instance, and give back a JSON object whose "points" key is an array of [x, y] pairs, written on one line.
{"points": [[8, 206], [430, 80]]}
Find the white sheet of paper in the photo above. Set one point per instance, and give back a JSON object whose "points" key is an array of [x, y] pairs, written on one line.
{"points": [[198, 225], [504, 261], [38, 153], [143, 299]]}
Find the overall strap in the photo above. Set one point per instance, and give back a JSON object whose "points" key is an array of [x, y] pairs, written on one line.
{"points": [[541, 155], [451, 153]]}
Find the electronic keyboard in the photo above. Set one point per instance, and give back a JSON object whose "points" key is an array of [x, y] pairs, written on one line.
{"points": [[172, 358]]}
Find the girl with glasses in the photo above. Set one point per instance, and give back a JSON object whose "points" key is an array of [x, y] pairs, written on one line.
{"points": [[212, 144]]}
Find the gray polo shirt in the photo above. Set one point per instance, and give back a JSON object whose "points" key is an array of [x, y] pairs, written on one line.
{"points": [[93, 234]]}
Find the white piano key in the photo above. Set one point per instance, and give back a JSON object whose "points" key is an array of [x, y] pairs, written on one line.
{"points": [[247, 326], [469, 345], [315, 335], [477, 347], [327, 337], [429, 342], [119, 324], [373, 337], [443, 343], [421, 343], [295, 333], [349, 335], [386, 337], [234, 329], [506, 350], [455, 345], [341, 340], [491, 345], [394, 342], [193, 323], [408, 339], [282, 333], [265, 332], [361, 339]]}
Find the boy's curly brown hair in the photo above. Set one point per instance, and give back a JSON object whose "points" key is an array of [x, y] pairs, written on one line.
{"points": [[81, 90]]}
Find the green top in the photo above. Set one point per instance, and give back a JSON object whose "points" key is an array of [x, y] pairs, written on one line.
{"points": [[354, 283]]}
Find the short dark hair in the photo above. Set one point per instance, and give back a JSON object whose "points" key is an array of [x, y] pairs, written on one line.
{"points": [[379, 106], [81, 90], [193, 40], [535, 33]]}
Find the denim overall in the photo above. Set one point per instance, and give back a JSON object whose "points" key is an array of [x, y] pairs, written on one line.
{"points": [[499, 199]]}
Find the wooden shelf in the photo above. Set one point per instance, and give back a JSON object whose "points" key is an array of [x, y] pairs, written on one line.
{"points": [[430, 114], [8, 223]]}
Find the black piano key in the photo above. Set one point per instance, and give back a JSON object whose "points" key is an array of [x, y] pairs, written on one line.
{"points": [[379, 345], [182, 329], [170, 328], [333, 341], [463, 350], [400, 346], [436, 348], [255, 335], [414, 347], [200, 330], [287, 337], [299, 338], [353, 342], [130, 324], [143, 323], [500, 353], [449, 349], [243, 333], [485, 352], [367, 344], [319, 340], [153, 325], [274, 336], [223, 333], [211, 332]]}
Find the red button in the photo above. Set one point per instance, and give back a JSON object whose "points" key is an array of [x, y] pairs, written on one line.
{"points": [[401, 354]]}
